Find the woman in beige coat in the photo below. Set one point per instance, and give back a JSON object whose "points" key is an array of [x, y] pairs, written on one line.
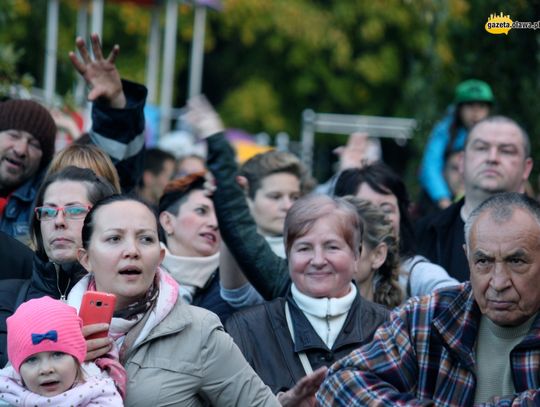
{"points": [[174, 354]]}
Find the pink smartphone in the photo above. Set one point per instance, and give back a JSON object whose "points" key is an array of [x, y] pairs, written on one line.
{"points": [[96, 308]]}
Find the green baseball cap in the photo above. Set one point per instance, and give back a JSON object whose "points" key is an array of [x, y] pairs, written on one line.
{"points": [[473, 90]]}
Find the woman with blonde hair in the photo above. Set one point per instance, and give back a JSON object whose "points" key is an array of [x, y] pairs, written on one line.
{"points": [[377, 272], [86, 156]]}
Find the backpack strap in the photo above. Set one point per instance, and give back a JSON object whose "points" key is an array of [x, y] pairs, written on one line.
{"points": [[302, 355]]}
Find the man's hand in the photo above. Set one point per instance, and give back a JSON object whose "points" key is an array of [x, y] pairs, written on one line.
{"points": [[303, 393], [100, 74], [96, 347]]}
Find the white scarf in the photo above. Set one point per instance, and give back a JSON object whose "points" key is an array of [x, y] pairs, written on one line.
{"points": [[326, 315], [191, 273], [168, 295]]}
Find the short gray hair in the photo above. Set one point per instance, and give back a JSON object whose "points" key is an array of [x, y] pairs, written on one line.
{"points": [[504, 120], [502, 207]]}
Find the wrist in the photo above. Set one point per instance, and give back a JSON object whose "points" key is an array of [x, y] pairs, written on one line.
{"points": [[119, 101]]}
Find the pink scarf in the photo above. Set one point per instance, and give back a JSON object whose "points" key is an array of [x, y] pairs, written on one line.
{"points": [[159, 307]]}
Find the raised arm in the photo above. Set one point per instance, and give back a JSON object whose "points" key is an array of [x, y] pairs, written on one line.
{"points": [[265, 270], [117, 110]]}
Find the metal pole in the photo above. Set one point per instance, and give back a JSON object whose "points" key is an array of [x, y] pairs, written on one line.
{"points": [[82, 31], [152, 63], [308, 138], [97, 17], [197, 52], [50, 51], [167, 81]]}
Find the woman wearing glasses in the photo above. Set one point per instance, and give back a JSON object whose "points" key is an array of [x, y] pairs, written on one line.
{"points": [[62, 202]]}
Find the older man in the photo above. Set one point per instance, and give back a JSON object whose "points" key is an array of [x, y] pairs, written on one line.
{"points": [[470, 344], [496, 159]]}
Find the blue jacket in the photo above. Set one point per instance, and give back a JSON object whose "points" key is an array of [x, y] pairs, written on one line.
{"points": [[432, 167], [119, 132]]}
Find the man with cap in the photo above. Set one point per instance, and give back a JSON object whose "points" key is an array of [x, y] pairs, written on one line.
{"points": [[496, 159], [28, 131], [473, 102]]}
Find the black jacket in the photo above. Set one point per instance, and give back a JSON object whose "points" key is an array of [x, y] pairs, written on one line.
{"points": [[209, 298], [46, 280], [436, 239], [265, 270], [262, 335], [15, 258]]}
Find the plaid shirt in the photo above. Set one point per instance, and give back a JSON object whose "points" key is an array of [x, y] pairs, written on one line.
{"points": [[425, 356]]}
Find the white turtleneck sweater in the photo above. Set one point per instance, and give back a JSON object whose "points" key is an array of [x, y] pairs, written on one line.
{"points": [[191, 273], [326, 315]]}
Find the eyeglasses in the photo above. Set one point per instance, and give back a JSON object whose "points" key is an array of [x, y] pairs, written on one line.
{"points": [[45, 213]]}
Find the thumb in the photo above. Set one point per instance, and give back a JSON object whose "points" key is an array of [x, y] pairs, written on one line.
{"points": [[242, 181], [94, 94]]}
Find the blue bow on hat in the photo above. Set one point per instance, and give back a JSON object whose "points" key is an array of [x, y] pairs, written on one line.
{"points": [[52, 335]]}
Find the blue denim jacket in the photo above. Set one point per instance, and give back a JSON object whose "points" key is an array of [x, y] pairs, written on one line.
{"points": [[15, 220]]}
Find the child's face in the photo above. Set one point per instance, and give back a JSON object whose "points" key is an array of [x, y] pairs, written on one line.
{"points": [[49, 373]]}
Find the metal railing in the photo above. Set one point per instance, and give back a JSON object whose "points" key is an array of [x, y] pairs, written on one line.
{"points": [[400, 129]]}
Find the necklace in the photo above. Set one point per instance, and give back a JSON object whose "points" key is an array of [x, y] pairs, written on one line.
{"points": [[62, 294]]}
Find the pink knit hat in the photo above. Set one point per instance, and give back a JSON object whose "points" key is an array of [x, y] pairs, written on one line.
{"points": [[44, 325]]}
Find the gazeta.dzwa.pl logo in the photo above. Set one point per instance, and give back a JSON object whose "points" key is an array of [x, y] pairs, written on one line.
{"points": [[498, 24], [502, 24]]}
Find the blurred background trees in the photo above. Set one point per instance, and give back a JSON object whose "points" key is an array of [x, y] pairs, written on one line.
{"points": [[267, 61]]}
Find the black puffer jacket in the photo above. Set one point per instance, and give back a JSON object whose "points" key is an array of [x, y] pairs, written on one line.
{"points": [[208, 298], [15, 258], [262, 334], [47, 279], [435, 236]]}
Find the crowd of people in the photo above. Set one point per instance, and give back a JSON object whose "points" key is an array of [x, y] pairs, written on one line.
{"points": [[248, 285]]}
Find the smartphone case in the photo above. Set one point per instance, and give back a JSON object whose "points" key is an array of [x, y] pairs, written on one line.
{"points": [[97, 307]]}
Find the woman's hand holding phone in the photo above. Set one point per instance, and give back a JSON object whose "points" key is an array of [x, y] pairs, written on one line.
{"points": [[99, 346], [96, 312]]}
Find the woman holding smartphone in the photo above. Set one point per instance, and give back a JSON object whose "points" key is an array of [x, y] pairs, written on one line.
{"points": [[174, 354]]}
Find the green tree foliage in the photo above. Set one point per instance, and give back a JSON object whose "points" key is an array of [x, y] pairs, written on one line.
{"points": [[266, 61]]}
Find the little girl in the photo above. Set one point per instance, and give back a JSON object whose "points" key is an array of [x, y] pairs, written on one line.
{"points": [[46, 350]]}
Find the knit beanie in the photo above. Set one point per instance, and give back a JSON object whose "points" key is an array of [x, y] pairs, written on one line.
{"points": [[44, 325], [30, 116]]}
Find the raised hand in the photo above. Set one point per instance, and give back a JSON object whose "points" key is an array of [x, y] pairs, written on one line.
{"points": [[202, 117], [99, 73]]}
